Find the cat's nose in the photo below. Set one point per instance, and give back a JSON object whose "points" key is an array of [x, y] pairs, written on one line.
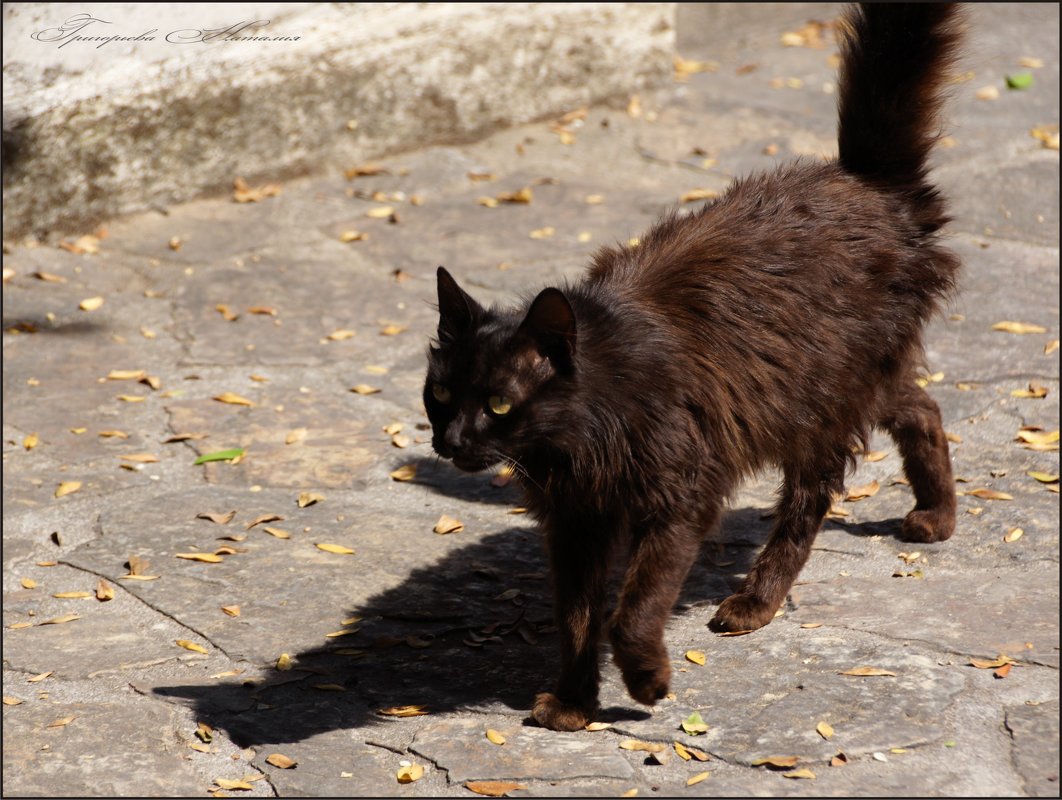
{"points": [[453, 439]]}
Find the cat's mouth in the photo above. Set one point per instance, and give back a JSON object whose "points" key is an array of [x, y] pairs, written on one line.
{"points": [[471, 463]]}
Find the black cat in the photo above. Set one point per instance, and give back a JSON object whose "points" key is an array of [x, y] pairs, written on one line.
{"points": [[776, 326]]}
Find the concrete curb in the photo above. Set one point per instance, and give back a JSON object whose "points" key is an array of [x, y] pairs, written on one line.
{"points": [[92, 133]]}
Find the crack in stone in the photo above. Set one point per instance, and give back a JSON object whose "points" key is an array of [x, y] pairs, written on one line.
{"points": [[157, 610]]}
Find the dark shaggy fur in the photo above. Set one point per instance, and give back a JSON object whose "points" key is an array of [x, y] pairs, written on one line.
{"points": [[777, 326]]}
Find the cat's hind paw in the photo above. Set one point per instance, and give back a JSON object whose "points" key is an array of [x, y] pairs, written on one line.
{"points": [[741, 612], [929, 525], [551, 712]]}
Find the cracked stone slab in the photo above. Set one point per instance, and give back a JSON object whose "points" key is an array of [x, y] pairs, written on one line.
{"points": [[460, 746], [1034, 729]]}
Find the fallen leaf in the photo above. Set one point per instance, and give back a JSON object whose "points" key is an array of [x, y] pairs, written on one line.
{"points": [[61, 620], [226, 312], [338, 549], [341, 335], [866, 672], [682, 752], [406, 472], [839, 760], [195, 648], [48, 277], [277, 532], [368, 168], [1020, 80], [630, 793], [700, 776], [448, 524], [113, 434], [393, 330], [67, 487], [232, 611], [284, 662], [141, 458], [1052, 345], [29, 583], [403, 711], [242, 193], [62, 723], [72, 595], [220, 455], [1042, 477], [696, 656], [209, 558], [220, 519], [199, 747], [41, 677], [363, 388], [414, 772], [495, 737], [351, 236], [309, 498], [131, 398], [225, 783], [861, 492], [233, 399], [694, 195], [126, 375], [693, 724], [329, 687], [995, 663], [990, 494], [909, 558], [522, 196], [776, 762], [381, 212], [543, 233], [1003, 671], [11, 701], [810, 625], [493, 788], [825, 730], [800, 773], [646, 747], [263, 518], [1013, 535], [987, 93], [1035, 391], [1018, 327], [684, 67], [90, 303], [401, 441], [31, 441]]}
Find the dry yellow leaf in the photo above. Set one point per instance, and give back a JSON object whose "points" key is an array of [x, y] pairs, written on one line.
{"points": [[382, 212], [543, 233], [364, 388], [226, 312], [72, 595], [403, 711], [280, 760], [1008, 326], [263, 518], [1050, 347], [338, 549], [277, 532], [996, 663], [67, 487], [29, 583], [393, 330], [309, 498], [825, 730], [61, 620], [448, 524], [225, 783], [495, 737], [694, 195], [990, 494], [700, 776], [31, 441], [406, 472], [199, 747], [909, 558], [62, 723], [285, 662], [1042, 477], [295, 436], [209, 558], [987, 93], [41, 677], [861, 492], [232, 611], [233, 399], [523, 196], [1037, 437], [493, 788], [352, 236], [126, 375], [90, 303], [113, 434], [141, 458], [1035, 391], [866, 672], [630, 793], [11, 701], [597, 726], [800, 773], [131, 398], [195, 648], [401, 441], [810, 625], [696, 656], [489, 202], [682, 752], [647, 747], [1013, 535], [778, 762], [220, 519]]}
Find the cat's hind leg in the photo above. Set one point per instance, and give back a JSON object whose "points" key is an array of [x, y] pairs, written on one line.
{"points": [[806, 497], [913, 420]]}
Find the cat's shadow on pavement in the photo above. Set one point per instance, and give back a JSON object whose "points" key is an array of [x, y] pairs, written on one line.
{"points": [[471, 631]]}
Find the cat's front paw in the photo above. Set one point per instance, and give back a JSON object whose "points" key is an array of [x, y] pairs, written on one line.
{"points": [[551, 712], [930, 525], [741, 612]]}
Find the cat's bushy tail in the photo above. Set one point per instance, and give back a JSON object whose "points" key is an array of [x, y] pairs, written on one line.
{"points": [[896, 60]]}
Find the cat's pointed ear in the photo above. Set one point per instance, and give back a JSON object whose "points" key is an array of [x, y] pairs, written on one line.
{"points": [[457, 309], [550, 322]]}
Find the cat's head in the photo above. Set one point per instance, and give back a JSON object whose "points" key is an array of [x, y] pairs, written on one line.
{"points": [[497, 380]]}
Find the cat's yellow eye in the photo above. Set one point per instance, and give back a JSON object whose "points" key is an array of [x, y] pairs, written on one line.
{"points": [[441, 393], [499, 405]]}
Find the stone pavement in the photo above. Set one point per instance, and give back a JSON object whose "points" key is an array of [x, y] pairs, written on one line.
{"points": [[105, 701]]}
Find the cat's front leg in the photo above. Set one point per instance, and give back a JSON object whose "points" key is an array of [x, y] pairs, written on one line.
{"points": [[579, 560], [660, 560]]}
